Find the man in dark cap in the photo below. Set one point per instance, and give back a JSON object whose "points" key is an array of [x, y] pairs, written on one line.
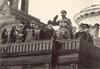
{"points": [[81, 27], [47, 32], [81, 34], [88, 36], [87, 28], [84, 34]]}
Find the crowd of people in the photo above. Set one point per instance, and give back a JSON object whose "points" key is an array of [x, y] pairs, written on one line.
{"points": [[31, 32]]}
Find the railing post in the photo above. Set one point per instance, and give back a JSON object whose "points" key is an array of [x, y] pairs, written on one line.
{"points": [[55, 54]]}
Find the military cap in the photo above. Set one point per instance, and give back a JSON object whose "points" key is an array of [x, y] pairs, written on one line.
{"points": [[86, 26]]}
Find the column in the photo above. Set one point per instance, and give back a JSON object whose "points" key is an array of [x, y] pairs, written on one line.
{"points": [[5, 8], [24, 5], [11, 2]]}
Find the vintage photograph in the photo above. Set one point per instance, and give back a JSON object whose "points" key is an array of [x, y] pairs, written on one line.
{"points": [[49, 34]]}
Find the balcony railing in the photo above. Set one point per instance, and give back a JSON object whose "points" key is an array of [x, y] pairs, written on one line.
{"points": [[34, 48], [48, 46], [52, 48], [39, 47], [69, 46], [90, 50]]}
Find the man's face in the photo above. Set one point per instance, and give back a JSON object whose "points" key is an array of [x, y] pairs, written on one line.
{"points": [[50, 26], [63, 14], [87, 29], [81, 28], [36, 26], [61, 24]]}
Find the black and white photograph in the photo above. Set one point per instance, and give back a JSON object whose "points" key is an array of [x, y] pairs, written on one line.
{"points": [[49, 34]]}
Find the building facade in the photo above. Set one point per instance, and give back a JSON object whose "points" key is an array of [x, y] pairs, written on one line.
{"points": [[90, 15]]}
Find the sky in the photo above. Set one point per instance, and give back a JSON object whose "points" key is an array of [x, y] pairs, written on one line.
{"points": [[46, 9]]}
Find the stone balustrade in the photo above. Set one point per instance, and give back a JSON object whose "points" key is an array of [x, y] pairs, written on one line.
{"points": [[39, 47]]}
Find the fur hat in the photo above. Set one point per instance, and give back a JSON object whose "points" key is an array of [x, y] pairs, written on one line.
{"points": [[49, 22]]}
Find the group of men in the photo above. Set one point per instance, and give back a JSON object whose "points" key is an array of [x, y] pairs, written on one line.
{"points": [[12, 35], [65, 31], [20, 33]]}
